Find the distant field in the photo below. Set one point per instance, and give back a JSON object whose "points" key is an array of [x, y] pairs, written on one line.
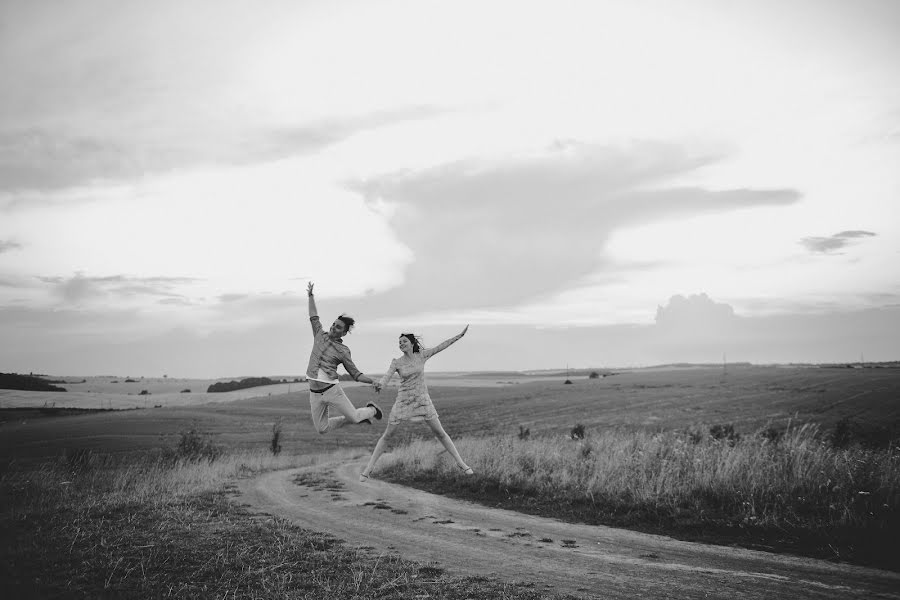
{"points": [[117, 393], [748, 397]]}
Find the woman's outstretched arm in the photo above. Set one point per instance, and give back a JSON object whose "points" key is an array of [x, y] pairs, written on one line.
{"points": [[387, 376], [429, 352]]}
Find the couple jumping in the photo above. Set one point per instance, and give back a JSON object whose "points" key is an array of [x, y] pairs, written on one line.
{"points": [[412, 404]]}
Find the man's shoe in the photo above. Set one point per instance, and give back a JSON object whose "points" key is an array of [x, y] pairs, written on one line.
{"points": [[377, 410]]}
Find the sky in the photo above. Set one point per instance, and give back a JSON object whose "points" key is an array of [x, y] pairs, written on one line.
{"points": [[591, 184]]}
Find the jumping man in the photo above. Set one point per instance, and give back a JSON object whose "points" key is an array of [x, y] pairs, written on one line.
{"points": [[325, 391]]}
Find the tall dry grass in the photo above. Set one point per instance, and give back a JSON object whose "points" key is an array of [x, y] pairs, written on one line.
{"points": [[797, 479], [89, 481]]}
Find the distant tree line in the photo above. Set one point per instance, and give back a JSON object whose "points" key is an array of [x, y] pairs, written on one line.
{"points": [[248, 382], [230, 386], [30, 383]]}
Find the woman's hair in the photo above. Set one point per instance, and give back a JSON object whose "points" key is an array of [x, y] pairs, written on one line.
{"points": [[412, 340], [349, 322]]}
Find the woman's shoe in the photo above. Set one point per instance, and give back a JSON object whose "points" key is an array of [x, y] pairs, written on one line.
{"points": [[468, 470], [363, 478]]}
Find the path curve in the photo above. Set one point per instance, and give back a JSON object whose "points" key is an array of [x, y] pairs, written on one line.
{"points": [[587, 561]]}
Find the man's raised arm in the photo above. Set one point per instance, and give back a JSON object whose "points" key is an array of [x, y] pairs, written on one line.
{"points": [[313, 314]]}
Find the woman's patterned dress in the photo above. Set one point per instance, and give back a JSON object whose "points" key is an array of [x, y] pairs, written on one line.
{"points": [[413, 402]]}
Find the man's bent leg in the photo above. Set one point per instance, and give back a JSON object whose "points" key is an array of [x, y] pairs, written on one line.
{"points": [[339, 402]]}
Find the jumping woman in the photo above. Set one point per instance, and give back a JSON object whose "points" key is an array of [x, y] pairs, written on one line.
{"points": [[413, 402]]}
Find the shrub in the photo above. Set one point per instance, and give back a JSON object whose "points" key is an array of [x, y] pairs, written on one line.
{"points": [[195, 446], [276, 437], [577, 432], [848, 432], [770, 434], [524, 433], [724, 432], [695, 435]]}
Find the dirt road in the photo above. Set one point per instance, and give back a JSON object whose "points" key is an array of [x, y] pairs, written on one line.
{"points": [[585, 561]]}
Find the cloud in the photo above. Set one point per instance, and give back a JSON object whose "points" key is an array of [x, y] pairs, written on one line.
{"points": [[827, 245], [44, 159], [38, 159], [79, 288], [232, 309], [494, 233], [182, 302], [8, 245], [227, 298], [695, 313]]}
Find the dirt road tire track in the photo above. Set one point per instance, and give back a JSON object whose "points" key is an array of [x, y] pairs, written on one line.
{"points": [[586, 561]]}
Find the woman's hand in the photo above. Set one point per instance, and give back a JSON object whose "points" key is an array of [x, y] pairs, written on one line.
{"points": [[309, 289], [464, 331]]}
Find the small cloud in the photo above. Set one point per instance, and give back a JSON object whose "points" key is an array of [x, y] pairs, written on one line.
{"points": [[854, 234], [695, 313], [175, 301], [75, 289], [825, 245], [226, 298], [142, 290], [315, 136], [10, 283], [7, 245], [79, 288]]}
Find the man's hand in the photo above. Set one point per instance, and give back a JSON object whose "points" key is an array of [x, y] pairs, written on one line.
{"points": [[309, 289]]}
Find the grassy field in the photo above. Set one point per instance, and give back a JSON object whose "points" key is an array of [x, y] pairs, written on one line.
{"points": [[802, 463], [748, 398]]}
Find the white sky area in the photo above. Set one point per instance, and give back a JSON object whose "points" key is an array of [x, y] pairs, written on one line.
{"points": [[557, 174]]}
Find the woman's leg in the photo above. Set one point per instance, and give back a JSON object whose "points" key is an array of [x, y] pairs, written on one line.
{"points": [[380, 446], [442, 436]]}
